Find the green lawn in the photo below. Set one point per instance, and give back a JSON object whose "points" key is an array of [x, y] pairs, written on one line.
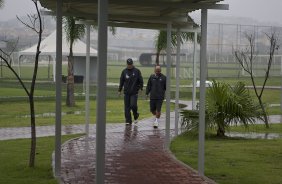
{"points": [[19, 116], [14, 158], [235, 160], [218, 71], [14, 102]]}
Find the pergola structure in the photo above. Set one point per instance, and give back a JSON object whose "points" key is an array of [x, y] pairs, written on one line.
{"points": [[148, 14]]}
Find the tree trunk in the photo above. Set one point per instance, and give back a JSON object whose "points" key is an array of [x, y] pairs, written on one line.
{"points": [[70, 81], [157, 58], [220, 132], [33, 133], [220, 127], [264, 113]]}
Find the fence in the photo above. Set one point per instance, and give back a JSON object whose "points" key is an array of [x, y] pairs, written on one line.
{"points": [[223, 41]]}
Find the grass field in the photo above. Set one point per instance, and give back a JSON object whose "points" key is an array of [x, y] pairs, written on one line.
{"points": [[217, 71], [12, 95], [19, 116], [235, 160], [14, 157]]}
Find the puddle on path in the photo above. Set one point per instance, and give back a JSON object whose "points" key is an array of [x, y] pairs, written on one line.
{"points": [[52, 114], [253, 135]]}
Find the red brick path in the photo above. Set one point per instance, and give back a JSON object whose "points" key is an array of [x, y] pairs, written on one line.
{"points": [[134, 155]]}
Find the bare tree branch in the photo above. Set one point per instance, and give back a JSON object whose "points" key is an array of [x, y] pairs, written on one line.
{"points": [[33, 20], [30, 25], [247, 58], [273, 47], [8, 65]]}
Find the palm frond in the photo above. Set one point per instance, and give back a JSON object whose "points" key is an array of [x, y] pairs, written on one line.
{"points": [[161, 41], [228, 105], [73, 31]]}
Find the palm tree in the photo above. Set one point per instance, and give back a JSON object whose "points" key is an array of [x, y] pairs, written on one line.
{"points": [[73, 33], [161, 39], [226, 105]]}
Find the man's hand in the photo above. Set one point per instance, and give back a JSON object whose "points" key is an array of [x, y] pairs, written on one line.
{"points": [[119, 93], [146, 97]]}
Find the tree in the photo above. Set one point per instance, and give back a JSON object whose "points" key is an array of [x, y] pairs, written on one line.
{"points": [[35, 24], [161, 39], [73, 33], [246, 59], [226, 105], [1, 4]]}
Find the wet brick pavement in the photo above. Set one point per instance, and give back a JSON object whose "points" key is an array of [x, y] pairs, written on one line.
{"points": [[134, 155]]}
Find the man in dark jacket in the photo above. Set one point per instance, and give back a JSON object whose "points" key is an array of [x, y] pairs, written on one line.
{"points": [[131, 81], [156, 87]]}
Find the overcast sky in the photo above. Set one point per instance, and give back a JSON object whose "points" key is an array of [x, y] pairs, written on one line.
{"points": [[263, 10]]}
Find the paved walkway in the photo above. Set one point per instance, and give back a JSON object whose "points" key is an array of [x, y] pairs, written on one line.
{"points": [[134, 155], [43, 131]]}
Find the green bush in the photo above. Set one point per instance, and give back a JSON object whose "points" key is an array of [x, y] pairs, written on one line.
{"points": [[225, 106]]}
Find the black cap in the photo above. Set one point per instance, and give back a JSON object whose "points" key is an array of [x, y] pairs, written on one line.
{"points": [[129, 61]]}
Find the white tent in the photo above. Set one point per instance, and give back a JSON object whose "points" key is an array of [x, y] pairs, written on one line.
{"points": [[48, 48]]}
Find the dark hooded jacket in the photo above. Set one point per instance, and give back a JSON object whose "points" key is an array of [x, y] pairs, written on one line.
{"points": [[156, 86], [131, 81]]}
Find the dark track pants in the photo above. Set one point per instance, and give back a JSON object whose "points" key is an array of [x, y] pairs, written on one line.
{"points": [[130, 103]]}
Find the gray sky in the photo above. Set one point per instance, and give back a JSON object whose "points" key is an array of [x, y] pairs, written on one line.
{"points": [[16, 7], [264, 10]]}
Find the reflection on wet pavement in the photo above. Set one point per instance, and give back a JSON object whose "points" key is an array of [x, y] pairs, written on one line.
{"points": [[134, 155]]}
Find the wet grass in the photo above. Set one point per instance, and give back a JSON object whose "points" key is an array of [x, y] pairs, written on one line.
{"points": [[233, 160], [14, 102], [14, 158], [273, 128], [16, 114]]}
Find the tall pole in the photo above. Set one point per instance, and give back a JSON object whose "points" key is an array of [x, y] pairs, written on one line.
{"points": [[168, 71], [203, 75], [281, 92], [177, 83], [101, 90], [58, 78], [194, 71], [87, 81]]}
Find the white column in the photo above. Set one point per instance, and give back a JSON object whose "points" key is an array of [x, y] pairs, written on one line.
{"points": [[281, 65], [101, 90], [87, 79], [203, 75], [281, 91], [54, 68], [194, 72], [168, 70], [58, 89], [177, 83]]}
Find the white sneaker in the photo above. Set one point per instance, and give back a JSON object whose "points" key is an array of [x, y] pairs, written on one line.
{"points": [[155, 124]]}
